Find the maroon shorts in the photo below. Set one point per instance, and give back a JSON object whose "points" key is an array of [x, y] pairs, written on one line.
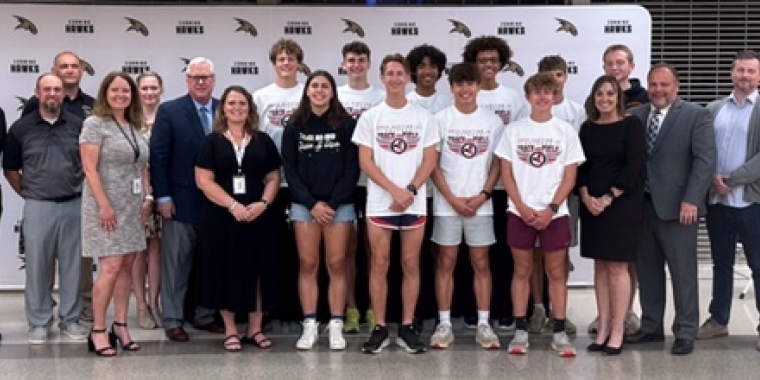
{"points": [[556, 236]]}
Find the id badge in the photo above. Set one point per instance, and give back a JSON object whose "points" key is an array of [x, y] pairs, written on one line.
{"points": [[137, 186], [238, 184]]}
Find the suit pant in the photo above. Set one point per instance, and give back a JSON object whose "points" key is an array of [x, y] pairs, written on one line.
{"points": [[178, 252], [675, 244]]}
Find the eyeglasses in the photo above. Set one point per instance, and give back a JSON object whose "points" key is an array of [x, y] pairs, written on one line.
{"points": [[200, 78]]}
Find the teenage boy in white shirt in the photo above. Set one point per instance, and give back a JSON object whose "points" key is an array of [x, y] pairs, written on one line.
{"points": [[357, 96], [574, 114], [396, 142], [539, 161], [491, 54], [464, 178], [427, 63]]}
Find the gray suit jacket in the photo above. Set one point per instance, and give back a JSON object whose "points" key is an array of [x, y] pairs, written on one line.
{"points": [[748, 174], [681, 165]]}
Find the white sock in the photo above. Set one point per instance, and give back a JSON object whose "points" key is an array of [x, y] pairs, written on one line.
{"points": [[445, 317], [483, 316]]}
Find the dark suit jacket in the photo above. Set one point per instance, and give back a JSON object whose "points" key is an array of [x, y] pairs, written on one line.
{"points": [[682, 162], [176, 137]]}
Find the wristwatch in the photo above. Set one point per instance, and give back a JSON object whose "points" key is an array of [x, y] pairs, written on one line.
{"points": [[412, 188], [554, 207], [486, 193]]}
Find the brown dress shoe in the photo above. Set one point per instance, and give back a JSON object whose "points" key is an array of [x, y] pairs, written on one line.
{"points": [[211, 327], [177, 334]]}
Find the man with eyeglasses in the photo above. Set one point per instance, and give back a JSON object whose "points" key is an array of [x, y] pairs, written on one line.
{"points": [[180, 126], [490, 54], [68, 67]]}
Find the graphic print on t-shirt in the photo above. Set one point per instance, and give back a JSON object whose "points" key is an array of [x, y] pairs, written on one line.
{"points": [[398, 138], [498, 109], [317, 142], [538, 152], [355, 109], [280, 113], [468, 143]]}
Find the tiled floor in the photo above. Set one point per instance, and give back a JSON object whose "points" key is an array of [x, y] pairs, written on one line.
{"points": [[733, 357]]}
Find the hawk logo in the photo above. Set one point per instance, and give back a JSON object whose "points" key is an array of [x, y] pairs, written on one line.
{"points": [[460, 27], [468, 147], [398, 143], [566, 26], [137, 26], [25, 24], [353, 27], [186, 61], [23, 102], [305, 69], [538, 155], [87, 67], [246, 27], [514, 67]]}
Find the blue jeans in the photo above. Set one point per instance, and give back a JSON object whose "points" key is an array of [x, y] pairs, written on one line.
{"points": [[725, 227]]}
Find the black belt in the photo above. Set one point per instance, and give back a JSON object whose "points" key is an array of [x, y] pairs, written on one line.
{"points": [[64, 199]]}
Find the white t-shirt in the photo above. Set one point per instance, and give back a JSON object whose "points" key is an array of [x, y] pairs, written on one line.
{"points": [[434, 103], [539, 153], [466, 146], [507, 104], [398, 138], [571, 112], [275, 105], [356, 102]]}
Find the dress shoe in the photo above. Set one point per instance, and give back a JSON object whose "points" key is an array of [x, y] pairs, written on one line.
{"points": [[612, 351], [642, 337], [211, 327], [682, 347], [596, 347], [177, 334]]}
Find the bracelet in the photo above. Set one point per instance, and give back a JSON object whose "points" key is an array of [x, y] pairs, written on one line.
{"points": [[232, 206], [149, 198]]}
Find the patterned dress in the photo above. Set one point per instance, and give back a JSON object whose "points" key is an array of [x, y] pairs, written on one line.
{"points": [[153, 224], [118, 167]]}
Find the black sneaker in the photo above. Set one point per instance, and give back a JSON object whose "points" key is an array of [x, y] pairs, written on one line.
{"points": [[409, 340], [419, 325], [377, 341], [471, 322]]}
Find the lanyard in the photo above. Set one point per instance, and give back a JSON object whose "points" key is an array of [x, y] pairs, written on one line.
{"points": [[239, 150], [133, 141]]}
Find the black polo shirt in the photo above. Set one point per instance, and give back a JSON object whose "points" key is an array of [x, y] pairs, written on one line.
{"points": [[47, 156], [81, 105]]}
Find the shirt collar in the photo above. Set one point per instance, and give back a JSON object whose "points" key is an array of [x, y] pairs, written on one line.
{"points": [[752, 98], [207, 105]]}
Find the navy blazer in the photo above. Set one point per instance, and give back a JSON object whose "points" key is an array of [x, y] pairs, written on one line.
{"points": [[175, 139]]}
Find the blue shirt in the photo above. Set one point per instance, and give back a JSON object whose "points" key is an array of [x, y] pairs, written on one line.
{"points": [[731, 128]]}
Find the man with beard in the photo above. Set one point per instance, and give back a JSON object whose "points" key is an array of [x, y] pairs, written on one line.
{"points": [[42, 165], [68, 67]]}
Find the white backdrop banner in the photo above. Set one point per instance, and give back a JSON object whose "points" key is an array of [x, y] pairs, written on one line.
{"points": [[237, 39]]}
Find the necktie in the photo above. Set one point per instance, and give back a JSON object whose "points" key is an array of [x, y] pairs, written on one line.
{"points": [[203, 114], [653, 128]]}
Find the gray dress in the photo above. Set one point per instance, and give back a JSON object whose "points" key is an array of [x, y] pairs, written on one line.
{"points": [[117, 169]]}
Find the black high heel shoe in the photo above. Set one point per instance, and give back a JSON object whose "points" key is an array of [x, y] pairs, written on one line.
{"points": [[104, 351], [595, 347], [126, 346], [612, 351]]}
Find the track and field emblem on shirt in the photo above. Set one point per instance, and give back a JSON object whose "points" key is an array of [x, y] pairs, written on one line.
{"points": [[538, 155], [468, 147], [398, 143], [278, 117]]}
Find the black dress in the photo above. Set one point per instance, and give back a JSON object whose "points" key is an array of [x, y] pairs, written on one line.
{"points": [[615, 157], [235, 254]]}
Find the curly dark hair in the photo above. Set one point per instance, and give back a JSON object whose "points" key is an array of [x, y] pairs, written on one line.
{"points": [[464, 72], [482, 43], [416, 55]]}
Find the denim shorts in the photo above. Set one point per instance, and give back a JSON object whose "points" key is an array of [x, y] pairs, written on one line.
{"points": [[300, 213]]}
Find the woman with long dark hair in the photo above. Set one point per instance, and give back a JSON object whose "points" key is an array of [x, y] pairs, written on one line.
{"points": [[611, 189], [322, 168]]}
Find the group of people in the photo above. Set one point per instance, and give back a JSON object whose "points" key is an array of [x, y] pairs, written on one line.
{"points": [[216, 182]]}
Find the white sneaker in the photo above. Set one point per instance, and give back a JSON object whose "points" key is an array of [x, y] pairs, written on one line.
{"points": [[335, 330], [75, 331], [309, 336], [487, 338], [38, 335], [520, 343], [442, 337], [562, 346]]}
